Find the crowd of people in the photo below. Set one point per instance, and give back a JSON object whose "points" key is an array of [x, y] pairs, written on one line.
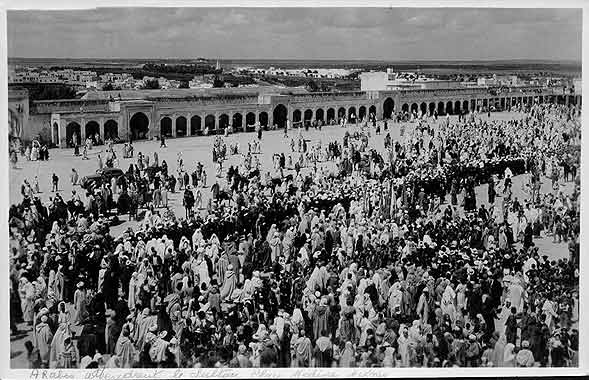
{"points": [[345, 257]]}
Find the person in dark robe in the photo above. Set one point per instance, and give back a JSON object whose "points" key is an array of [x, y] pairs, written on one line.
{"points": [[454, 192], [528, 235], [320, 315], [164, 322], [263, 254], [110, 288], [113, 330], [491, 190], [284, 349], [87, 340], [541, 349], [525, 321], [496, 289], [323, 352], [473, 303], [558, 353], [33, 355], [121, 307], [215, 190], [188, 202], [511, 326], [123, 203], [268, 356]]}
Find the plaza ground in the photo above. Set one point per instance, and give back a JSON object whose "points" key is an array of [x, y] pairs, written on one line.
{"points": [[199, 149]]}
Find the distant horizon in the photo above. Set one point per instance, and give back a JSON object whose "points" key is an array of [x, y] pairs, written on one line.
{"points": [[307, 59]]}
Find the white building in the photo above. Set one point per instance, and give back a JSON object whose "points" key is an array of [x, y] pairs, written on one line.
{"points": [[389, 80], [486, 82], [577, 84], [499, 80], [67, 76], [114, 77]]}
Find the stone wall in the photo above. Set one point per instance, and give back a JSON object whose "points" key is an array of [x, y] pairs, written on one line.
{"points": [[39, 124], [325, 106]]}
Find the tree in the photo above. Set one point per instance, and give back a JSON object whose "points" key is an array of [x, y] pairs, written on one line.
{"points": [[218, 83], [152, 84], [184, 84], [312, 86], [48, 91]]}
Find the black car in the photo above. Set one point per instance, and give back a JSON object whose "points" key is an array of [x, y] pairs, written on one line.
{"points": [[93, 181]]}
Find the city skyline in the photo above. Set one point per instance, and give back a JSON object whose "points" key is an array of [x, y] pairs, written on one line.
{"points": [[395, 34]]}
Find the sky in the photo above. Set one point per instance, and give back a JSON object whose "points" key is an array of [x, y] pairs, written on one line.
{"points": [[298, 33]]}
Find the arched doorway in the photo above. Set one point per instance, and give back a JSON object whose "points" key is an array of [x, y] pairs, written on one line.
{"points": [[237, 122], [139, 125], [296, 118], [250, 120], [423, 108], [352, 113], [361, 112], [195, 125], [264, 119], [485, 103], [330, 115], [432, 108], [280, 115], [473, 104], [55, 134], [166, 127], [308, 115], [405, 108], [210, 123], [387, 108], [73, 134], [372, 111], [414, 108], [92, 130], [341, 112], [449, 108], [223, 121], [320, 115], [111, 130], [465, 106], [441, 109], [181, 125], [457, 107]]}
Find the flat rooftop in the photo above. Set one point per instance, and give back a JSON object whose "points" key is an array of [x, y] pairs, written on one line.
{"points": [[192, 92]]}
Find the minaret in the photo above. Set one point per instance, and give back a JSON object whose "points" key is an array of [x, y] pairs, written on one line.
{"points": [[218, 72]]}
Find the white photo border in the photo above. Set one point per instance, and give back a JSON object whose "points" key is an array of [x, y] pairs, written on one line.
{"points": [[108, 374]]}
